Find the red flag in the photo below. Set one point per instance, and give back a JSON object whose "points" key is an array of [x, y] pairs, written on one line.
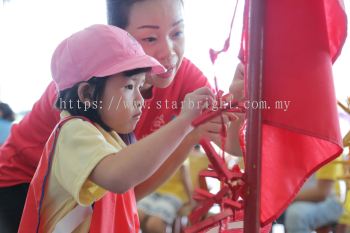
{"points": [[300, 129]]}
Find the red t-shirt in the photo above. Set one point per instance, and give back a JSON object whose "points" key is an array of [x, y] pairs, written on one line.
{"points": [[165, 103], [21, 152]]}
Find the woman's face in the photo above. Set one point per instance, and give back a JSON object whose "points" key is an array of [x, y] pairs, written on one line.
{"points": [[158, 25]]}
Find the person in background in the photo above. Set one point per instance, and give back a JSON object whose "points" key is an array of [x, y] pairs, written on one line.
{"points": [[317, 204], [158, 210], [343, 225], [7, 116]]}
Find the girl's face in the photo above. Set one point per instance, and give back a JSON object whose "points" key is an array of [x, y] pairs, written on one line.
{"points": [[121, 102], [158, 25]]}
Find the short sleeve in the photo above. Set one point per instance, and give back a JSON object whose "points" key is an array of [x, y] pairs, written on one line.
{"points": [[80, 147], [330, 171], [191, 78]]}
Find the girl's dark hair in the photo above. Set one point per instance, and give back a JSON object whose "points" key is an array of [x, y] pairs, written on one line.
{"points": [[6, 112], [69, 100], [118, 12]]}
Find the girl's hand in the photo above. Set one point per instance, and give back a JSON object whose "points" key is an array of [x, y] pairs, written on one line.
{"points": [[212, 128], [196, 101]]}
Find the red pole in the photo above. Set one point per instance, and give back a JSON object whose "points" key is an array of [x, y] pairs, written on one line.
{"points": [[253, 137]]}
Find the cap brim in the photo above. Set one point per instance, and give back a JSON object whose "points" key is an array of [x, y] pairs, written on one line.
{"points": [[143, 61]]}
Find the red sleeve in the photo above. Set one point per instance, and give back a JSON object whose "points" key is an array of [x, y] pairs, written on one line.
{"points": [[192, 78], [29, 136]]}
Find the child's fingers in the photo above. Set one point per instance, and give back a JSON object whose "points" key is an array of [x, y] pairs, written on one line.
{"points": [[202, 100], [227, 98], [215, 125], [227, 117], [204, 91], [212, 127], [230, 116]]}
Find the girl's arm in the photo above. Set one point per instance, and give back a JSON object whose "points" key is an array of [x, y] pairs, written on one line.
{"points": [[209, 129], [123, 170]]}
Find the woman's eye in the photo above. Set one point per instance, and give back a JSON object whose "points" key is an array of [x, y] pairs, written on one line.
{"points": [[149, 39], [177, 34], [129, 87]]}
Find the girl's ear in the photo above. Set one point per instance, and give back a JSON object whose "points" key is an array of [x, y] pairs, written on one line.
{"points": [[85, 92]]}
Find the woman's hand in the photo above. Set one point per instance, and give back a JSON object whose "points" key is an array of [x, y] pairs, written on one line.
{"points": [[237, 85]]}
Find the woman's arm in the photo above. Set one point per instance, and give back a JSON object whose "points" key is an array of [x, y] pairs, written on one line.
{"points": [[237, 90]]}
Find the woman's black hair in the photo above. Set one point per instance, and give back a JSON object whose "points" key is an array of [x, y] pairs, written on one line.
{"points": [[118, 12], [6, 112], [69, 101]]}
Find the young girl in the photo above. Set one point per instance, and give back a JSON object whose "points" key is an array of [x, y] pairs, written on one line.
{"points": [[99, 72]]}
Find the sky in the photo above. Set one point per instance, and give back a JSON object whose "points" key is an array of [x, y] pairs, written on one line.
{"points": [[31, 30]]}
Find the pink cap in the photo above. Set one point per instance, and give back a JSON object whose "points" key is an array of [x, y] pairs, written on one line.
{"points": [[98, 51]]}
